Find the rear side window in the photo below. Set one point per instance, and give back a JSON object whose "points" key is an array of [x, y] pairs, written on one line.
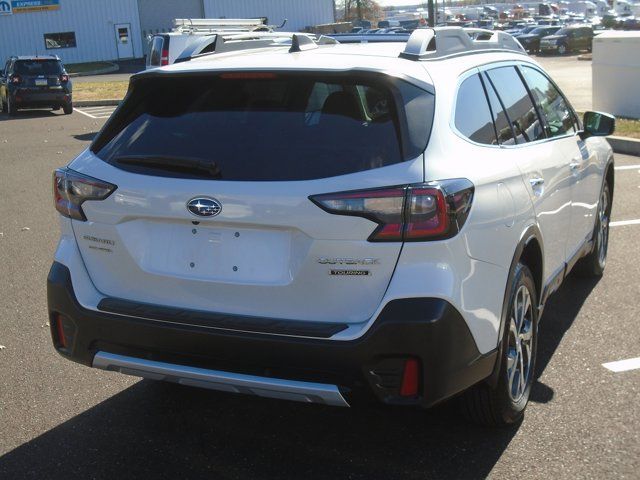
{"points": [[517, 104], [265, 126], [558, 115], [155, 56], [473, 117], [500, 119], [38, 67]]}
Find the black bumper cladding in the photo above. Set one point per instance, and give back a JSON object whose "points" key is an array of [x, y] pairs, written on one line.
{"points": [[428, 329]]}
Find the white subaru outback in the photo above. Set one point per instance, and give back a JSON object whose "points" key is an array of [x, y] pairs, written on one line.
{"points": [[329, 222]]}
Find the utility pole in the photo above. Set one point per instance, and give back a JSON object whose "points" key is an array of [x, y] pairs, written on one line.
{"points": [[430, 13]]}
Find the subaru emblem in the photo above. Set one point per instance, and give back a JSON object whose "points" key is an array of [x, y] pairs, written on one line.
{"points": [[204, 207]]}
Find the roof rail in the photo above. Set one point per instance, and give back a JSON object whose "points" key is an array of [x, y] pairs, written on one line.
{"points": [[439, 42], [234, 42]]}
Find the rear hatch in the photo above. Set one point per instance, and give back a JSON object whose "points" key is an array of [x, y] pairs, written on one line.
{"points": [[214, 175], [39, 74]]}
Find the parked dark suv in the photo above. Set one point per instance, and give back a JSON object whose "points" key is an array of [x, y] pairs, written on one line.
{"points": [[568, 39], [35, 82], [531, 41]]}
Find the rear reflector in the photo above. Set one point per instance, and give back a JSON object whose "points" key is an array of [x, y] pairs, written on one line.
{"points": [[410, 213], [164, 60], [410, 378], [59, 331]]}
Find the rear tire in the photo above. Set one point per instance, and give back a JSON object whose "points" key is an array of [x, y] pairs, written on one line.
{"points": [[505, 403], [68, 108], [594, 263]]}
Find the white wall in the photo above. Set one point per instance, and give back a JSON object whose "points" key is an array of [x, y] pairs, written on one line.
{"points": [[91, 20], [616, 73], [300, 13]]}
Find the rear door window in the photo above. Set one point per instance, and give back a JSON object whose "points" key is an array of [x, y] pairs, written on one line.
{"points": [[265, 126], [559, 117], [472, 116], [517, 104], [155, 56]]}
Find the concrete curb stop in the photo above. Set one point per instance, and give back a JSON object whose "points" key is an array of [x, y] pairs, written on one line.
{"points": [[110, 69], [626, 146], [96, 103]]}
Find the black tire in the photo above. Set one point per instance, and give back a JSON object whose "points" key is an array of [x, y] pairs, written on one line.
{"points": [[68, 108], [11, 108], [594, 263], [3, 106], [500, 405], [55, 108]]}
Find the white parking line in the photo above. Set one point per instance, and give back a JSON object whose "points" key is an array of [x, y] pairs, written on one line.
{"points": [[622, 223], [628, 167], [623, 365], [96, 112]]}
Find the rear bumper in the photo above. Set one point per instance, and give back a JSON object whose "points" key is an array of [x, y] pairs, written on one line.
{"points": [[430, 330], [38, 98]]}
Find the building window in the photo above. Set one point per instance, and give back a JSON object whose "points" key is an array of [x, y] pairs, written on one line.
{"points": [[59, 40]]}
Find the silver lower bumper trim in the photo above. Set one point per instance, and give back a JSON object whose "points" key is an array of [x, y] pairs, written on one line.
{"points": [[224, 381]]}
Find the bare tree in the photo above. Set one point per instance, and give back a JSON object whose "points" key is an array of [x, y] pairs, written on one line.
{"points": [[358, 9]]}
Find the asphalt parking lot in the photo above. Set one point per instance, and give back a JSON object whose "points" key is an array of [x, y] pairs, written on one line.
{"points": [[62, 420]]}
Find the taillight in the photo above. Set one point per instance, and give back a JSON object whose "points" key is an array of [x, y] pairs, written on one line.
{"points": [[64, 78], [164, 60], [15, 79], [410, 213], [71, 189]]}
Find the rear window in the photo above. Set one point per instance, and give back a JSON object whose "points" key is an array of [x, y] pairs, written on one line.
{"points": [[266, 127], [38, 67]]}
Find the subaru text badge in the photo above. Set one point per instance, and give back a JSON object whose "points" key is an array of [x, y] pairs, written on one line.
{"points": [[204, 207]]}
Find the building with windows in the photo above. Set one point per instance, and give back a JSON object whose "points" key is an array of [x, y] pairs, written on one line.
{"points": [[106, 30]]}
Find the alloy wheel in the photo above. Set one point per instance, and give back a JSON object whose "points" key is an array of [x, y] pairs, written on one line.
{"points": [[520, 346], [602, 241]]}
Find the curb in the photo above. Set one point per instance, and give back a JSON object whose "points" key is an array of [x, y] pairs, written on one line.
{"points": [[96, 103], [110, 69], [626, 146]]}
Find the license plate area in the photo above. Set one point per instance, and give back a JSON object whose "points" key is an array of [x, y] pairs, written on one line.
{"points": [[222, 254], [41, 82]]}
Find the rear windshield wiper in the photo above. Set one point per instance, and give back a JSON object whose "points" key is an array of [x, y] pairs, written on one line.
{"points": [[186, 165]]}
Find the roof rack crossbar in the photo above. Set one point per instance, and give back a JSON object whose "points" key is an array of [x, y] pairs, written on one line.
{"points": [[234, 42], [439, 42]]}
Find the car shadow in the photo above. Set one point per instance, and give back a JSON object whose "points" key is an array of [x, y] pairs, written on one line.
{"points": [[560, 312], [85, 137], [160, 430], [30, 114]]}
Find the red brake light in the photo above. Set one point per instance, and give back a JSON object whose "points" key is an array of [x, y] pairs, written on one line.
{"points": [[164, 60], [427, 214], [71, 189], [432, 211], [15, 79]]}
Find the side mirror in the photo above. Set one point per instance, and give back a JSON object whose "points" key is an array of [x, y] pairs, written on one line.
{"points": [[597, 124]]}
